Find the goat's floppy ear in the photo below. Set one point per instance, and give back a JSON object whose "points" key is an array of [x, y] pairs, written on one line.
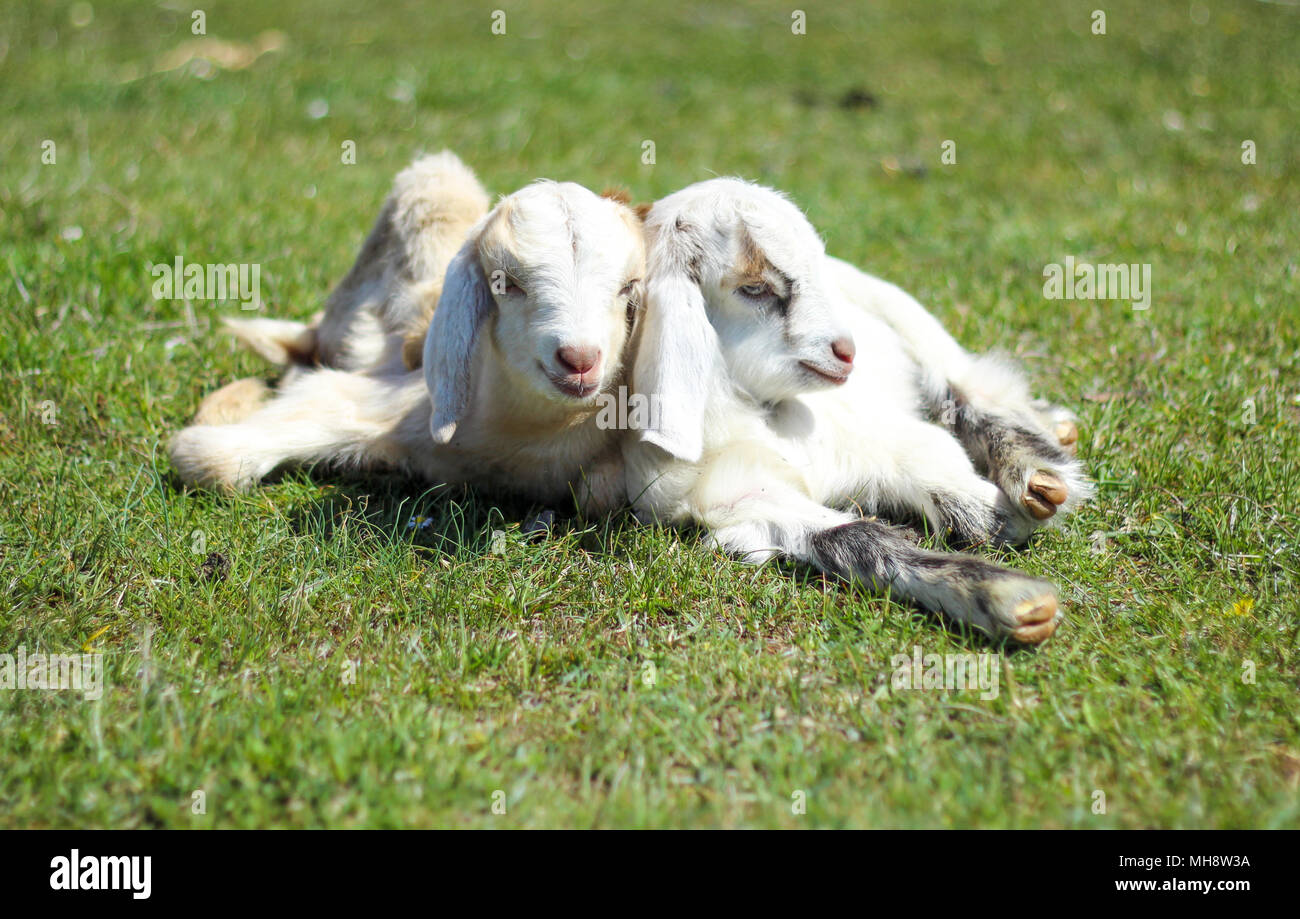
{"points": [[675, 359], [465, 304]]}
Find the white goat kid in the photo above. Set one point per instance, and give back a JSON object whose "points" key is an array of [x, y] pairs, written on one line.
{"points": [[535, 313], [768, 435]]}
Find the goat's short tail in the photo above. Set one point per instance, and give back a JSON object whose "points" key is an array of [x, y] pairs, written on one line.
{"points": [[998, 601], [280, 341]]}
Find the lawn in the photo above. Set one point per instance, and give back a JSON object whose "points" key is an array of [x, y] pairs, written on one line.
{"points": [[370, 651]]}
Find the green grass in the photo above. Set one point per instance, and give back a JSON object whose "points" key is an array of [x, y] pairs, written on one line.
{"points": [[524, 670]]}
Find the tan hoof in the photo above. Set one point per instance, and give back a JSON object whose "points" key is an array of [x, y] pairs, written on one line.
{"points": [[1037, 618], [232, 403], [1067, 432], [1046, 493]]}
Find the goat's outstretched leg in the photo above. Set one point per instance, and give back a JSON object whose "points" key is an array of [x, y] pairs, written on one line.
{"points": [[1025, 445], [998, 601], [1063, 423], [909, 467], [322, 415], [232, 402], [772, 520]]}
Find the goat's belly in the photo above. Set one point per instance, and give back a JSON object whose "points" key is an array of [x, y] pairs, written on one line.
{"points": [[844, 444]]}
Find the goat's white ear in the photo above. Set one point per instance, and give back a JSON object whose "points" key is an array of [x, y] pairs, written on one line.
{"points": [[674, 363], [464, 306]]}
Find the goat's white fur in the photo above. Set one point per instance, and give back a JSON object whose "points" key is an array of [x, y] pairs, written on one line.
{"points": [[499, 403], [765, 454], [952, 381]]}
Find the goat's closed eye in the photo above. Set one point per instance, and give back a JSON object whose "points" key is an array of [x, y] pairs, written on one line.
{"points": [[503, 284], [629, 287]]}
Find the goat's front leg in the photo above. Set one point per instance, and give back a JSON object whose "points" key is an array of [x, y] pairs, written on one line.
{"points": [[778, 521], [1025, 445], [998, 601], [1063, 423], [601, 486], [1010, 442]]}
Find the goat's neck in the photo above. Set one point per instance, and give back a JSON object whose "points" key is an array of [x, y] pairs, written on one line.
{"points": [[732, 413]]}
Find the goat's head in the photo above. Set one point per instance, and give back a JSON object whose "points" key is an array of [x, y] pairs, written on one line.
{"points": [[736, 282], [554, 272]]}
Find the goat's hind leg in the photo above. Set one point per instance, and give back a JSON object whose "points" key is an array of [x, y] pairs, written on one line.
{"points": [[1026, 445], [915, 468], [990, 384], [322, 416], [1032, 468], [779, 521], [233, 402], [998, 601]]}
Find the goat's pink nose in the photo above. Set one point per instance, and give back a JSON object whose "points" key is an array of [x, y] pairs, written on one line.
{"points": [[844, 349], [578, 360]]}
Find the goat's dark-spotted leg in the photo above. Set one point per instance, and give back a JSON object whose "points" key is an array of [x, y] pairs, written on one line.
{"points": [[999, 601], [1028, 463]]}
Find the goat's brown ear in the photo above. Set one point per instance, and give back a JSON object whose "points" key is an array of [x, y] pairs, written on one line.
{"points": [[624, 197]]}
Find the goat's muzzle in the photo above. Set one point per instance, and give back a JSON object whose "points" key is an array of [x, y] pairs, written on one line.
{"points": [[839, 365], [579, 374]]}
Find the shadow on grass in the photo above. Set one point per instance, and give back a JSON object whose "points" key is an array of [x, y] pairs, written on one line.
{"points": [[459, 521], [394, 509]]}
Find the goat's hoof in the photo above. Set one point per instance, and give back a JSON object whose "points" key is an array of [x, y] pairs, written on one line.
{"points": [[1045, 493], [1062, 422], [1035, 467], [1018, 607], [1037, 617], [232, 403], [1067, 433]]}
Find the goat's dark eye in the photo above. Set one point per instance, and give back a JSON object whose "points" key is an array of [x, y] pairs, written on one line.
{"points": [[628, 288], [755, 291]]}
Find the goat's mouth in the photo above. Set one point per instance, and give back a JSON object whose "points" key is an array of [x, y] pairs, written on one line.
{"points": [[577, 390], [834, 376], [571, 385]]}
